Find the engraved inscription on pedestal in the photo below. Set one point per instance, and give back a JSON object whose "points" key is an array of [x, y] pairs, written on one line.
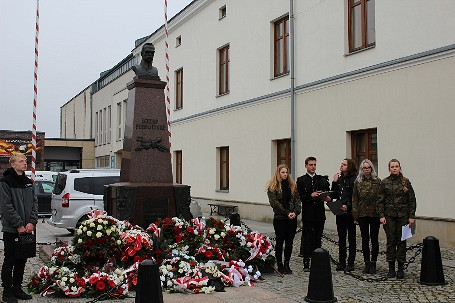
{"points": [[155, 209], [126, 203]]}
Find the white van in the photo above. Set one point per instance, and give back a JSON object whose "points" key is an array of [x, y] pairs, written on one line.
{"points": [[76, 193], [43, 175]]}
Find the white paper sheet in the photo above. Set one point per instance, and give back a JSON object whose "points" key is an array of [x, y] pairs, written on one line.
{"points": [[405, 232]]}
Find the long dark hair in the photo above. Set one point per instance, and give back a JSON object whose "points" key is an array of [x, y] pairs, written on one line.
{"points": [[352, 168]]}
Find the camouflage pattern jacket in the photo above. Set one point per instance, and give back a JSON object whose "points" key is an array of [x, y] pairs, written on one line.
{"points": [[364, 198], [394, 201], [279, 210]]}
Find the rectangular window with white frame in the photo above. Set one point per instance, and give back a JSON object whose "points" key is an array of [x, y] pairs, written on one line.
{"points": [[179, 88], [119, 121], [364, 145], [178, 166], [283, 152], [96, 129], [281, 47], [361, 24], [224, 167], [109, 124], [223, 70]]}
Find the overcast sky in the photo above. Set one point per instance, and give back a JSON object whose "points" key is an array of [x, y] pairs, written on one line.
{"points": [[78, 39]]}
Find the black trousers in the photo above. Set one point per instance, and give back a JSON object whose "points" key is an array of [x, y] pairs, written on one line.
{"points": [[311, 237], [12, 268], [346, 227], [284, 233], [369, 229]]}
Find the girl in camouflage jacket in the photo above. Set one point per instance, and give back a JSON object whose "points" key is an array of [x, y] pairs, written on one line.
{"points": [[364, 211]]}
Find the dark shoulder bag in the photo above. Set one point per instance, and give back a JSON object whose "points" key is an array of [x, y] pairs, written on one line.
{"points": [[26, 246]]}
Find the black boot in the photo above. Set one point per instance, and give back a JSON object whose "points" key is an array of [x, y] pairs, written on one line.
{"points": [[350, 267], [8, 296], [281, 268], [341, 266], [391, 273], [287, 269], [372, 269], [366, 270], [400, 272], [20, 294]]}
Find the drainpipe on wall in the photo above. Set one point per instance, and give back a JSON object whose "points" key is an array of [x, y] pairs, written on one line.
{"points": [[292, 67]]}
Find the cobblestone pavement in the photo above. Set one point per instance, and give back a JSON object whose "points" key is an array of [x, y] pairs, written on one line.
{"points": [[354, 288], [294, 288]]}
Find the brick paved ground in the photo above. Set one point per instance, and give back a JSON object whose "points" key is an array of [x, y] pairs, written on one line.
{"points": [[294, 288]]}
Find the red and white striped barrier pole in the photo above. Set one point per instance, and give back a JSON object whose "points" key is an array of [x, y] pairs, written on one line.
{"points": [[35, 93], [167, 90]]}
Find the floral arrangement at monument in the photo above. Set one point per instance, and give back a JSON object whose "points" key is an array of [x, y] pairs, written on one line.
{"points": [[199, 256]]}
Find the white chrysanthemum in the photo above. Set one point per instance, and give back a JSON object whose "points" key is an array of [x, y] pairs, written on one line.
{"points": [[89, 233], [79, 231], [79, 240], [223, 234], [119, 242], [108, 231], [99, 227], [212, 231], [99, 234], [74, 288], [100, 220], [72, 280], [84, 229], [216, 236], [92, 224], [62, 283], [64, 279]]}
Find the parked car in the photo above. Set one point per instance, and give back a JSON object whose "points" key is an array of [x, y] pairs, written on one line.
{"points": [[76, 193], [43, 190], [43, 175]]}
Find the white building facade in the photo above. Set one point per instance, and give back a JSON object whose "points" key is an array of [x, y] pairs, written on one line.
{"points": [[257, 83]]}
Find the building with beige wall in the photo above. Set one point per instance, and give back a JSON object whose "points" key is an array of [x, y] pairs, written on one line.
{"points": [[252, 88]]}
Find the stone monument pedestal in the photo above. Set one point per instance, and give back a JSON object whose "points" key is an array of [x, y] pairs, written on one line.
{"points": [[146, 191], [144, 203]]}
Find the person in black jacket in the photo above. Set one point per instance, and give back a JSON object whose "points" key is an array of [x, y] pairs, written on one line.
{"points": [[343, 185], [310, 187], [284, 199], [19, 210]]}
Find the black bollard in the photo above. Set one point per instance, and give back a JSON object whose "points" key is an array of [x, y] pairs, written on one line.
{"points": [[320, 286], [431, 271], [148, 283], [234, 219]]}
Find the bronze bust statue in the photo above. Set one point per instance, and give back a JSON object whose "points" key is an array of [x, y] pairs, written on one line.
{"points": [[145, 68]]}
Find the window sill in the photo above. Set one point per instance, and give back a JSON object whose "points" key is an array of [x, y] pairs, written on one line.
{"points": [[360, 50], [280, 76], [223, 94], [177, 109], [222, 190]]}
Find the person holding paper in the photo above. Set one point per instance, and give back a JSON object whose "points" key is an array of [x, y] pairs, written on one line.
{"points": [[342, 186], [365, 213], [310, 186], [284, 199], [396, 207]]}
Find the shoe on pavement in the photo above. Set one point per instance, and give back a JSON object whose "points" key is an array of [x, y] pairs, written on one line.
{"points": [[8, 297], [20, 294]]}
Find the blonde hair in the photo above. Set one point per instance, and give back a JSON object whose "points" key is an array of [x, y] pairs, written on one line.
{"points": [[275, 182], [15, 157], [403, 181]]}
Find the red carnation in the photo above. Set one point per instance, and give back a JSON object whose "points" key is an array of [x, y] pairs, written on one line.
{"points": [[100, 285], [93, 279], [208, 254]]}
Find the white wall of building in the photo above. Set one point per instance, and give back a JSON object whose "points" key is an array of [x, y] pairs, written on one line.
{"points": [[403, 87]]}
